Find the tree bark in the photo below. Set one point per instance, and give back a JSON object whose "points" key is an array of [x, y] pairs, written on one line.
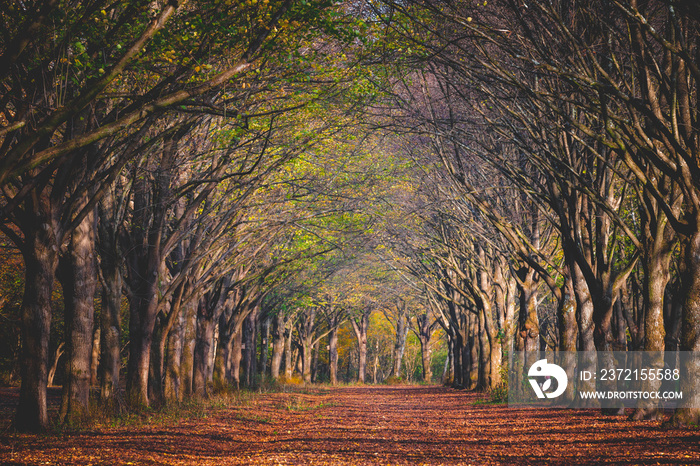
{"points": [[95, 355], [202, 348], [54, 367], [568, 330], [250, 353], [375, 368], [110, 311], [402, 326], [505, 290], [425, 334], [688, 412], [334, 319], [484, 373], [448, 372], [237, 357], [460, 356], [288, 367], [188, 346], [307, 358], [278, 340], [79, 279], [333, 355], [307, 331], [172, 387], [566, 311], [164, 324], [584, 315], [222, 359], [314, 361], [473, 349], [360, 326], [142, 320], [41, 261], [529, 325], [658, 252], [264, 346]]}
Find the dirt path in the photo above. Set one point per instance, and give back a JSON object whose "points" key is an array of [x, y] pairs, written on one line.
{"points": [[384, 425]]}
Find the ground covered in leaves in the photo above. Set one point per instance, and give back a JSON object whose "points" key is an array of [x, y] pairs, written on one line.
{"points": [[363, 425]]}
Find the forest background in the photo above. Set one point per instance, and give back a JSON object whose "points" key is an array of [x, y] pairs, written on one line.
{"points": [[211, 194]]}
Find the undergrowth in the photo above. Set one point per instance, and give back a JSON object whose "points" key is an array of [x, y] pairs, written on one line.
{"points": [[120, 414], [499, 393], [296, 403]]}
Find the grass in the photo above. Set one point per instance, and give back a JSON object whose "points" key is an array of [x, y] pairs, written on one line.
{"points": [[296, 403], [167, 414], [488, 402], [119, 416], [105, 417], [254, 418]]}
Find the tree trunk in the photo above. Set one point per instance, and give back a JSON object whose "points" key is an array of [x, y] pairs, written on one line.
{"points": [[78, 276], [400, 344], [673, 314], [657, 274], [376, 362], [212, 355], [40, 260], [236, 357], [95, 355], [426, 360], [505, 290], [566, 311], [54, 367], [360, 327], [110, 311], [298, 359], [473, 348], [288, 367], [202, 350], [448, 372], [307, 357], [250, 353], [156, 375], [165, 324], [484, 372], [188, 346], [314, 361], [142, 319], [584, 307], [172, 388], [491, 350], [362, 359], [688, 412], [568, 330], [264, 346], [529, 325], [151, 203], [448, 368], [333, 355], [619, 328], [222, 358], [584, 315], [278, 340], [459, 362], [424, 336]]}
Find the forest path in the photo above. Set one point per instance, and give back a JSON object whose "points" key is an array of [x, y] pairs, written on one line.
{"points": [[367, 425]]}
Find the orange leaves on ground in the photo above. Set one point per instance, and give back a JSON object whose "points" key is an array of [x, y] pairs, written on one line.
{"points": [[368, 425]]}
